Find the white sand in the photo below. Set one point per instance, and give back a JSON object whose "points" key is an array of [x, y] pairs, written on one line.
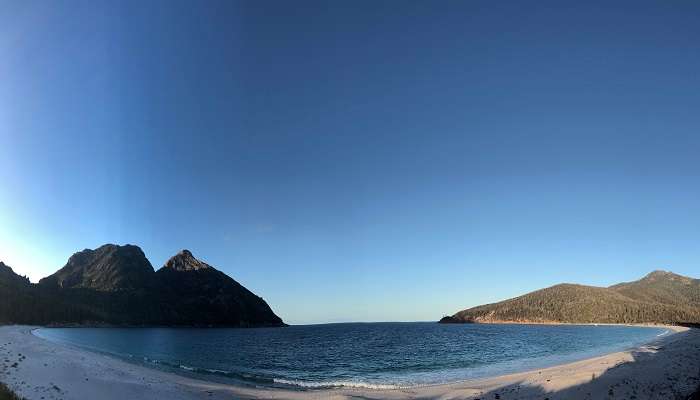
{"points": [[666, 369]]}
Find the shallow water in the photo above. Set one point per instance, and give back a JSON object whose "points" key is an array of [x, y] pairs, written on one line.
{"points": [[376, 355]]}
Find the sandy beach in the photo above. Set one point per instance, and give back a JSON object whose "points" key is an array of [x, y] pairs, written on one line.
{"points": [[668, 368]]}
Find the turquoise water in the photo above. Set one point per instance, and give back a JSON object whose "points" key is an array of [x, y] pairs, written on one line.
{"points": [[375, 355]]}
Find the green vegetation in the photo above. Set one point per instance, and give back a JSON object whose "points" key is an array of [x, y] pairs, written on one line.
{"points": [[660, 297], [6, 393]]}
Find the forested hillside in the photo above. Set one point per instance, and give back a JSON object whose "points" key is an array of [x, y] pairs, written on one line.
{"points": [[660, 297]]}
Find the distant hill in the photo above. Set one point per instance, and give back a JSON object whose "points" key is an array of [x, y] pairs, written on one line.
{"points": [[660, 297], [117, 285]]}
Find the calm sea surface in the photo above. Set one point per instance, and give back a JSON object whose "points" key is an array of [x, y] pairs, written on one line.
{"points": [[380, 355]]}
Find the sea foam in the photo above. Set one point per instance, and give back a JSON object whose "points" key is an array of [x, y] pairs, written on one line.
{"points": [[335, 384]]}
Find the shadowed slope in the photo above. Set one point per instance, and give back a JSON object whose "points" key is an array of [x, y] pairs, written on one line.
{"points": [[117, 285], [199, 293]]}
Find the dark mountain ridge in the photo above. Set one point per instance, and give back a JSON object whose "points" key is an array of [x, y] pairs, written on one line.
{"points": [[206, 295], [660, 297], [9, 277], [117, 285]]}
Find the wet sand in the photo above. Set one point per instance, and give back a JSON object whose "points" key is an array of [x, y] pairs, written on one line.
{"points": [[36, 369]]}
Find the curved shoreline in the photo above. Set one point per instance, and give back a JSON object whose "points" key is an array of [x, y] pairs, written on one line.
{"points": [[456, 376], [50, 368]]}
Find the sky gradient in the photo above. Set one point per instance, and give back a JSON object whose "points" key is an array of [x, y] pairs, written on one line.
{"points": [[356, 161]]}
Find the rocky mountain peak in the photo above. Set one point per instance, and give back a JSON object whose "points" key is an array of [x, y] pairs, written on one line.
{"points": [[108, 267], [185, 261], [661, 275]]}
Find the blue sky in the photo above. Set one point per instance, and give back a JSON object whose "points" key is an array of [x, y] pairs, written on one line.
{"points": [[356, 161]]}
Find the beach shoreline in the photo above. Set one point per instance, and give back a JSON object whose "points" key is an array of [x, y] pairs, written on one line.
{"points": [[665, 368]]}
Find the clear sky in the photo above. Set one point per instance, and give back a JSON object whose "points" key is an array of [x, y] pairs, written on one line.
{"points": [[357, 160]]}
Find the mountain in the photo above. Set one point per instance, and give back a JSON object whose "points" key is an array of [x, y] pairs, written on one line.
{"points": [[8, 277], [117, 285], [198, 290], [660, 297], [662, 287], [15, 292], [107, 268], [23, 303]]}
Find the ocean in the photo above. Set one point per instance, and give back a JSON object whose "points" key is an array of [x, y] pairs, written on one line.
{"points": [[371, 355]]}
